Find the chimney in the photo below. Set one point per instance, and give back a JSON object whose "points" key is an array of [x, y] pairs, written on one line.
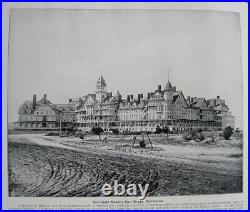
{"points": [[45, 98], [192, 99], [131, 97], [159, 87], [174, 88], [34, 102], [70, 100], [139, 97], [188, 98], [128, 98], [152, 94], [149, 95], [218, 97]]}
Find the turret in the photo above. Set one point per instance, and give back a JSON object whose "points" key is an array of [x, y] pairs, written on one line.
{"points": [[168, 91], [101, 92]]}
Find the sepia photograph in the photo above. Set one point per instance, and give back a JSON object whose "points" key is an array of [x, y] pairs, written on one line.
{"points": [[124, 103]]}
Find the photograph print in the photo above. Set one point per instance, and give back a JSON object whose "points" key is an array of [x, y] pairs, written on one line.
{"points": [[122, 102]]}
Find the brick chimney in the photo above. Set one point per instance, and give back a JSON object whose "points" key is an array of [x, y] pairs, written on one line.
{"points": [[188, 98], [159, 88], [34, 102]]}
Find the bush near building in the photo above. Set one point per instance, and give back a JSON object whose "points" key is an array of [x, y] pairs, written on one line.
{"points": [[193, 135], [115, 131], [227, 132], [159, 130], [97, 131]]}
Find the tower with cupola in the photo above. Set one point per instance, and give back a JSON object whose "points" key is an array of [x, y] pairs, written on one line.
{"points": [[101, 92]]}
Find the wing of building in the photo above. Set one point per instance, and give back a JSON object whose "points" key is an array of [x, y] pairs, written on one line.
{"points": [[43, 114]]}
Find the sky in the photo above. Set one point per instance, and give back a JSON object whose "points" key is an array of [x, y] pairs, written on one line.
{"points": [[63, 52]]}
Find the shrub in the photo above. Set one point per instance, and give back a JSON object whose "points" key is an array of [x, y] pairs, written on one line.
{"points": [[192, 135], [200, 136], [188, 136], [115, 131], [142, 144], [165, 130], [52, 134], [158, 130], [227, 132]]}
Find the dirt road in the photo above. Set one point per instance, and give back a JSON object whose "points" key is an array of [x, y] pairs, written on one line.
{"points": [[55, 166]]}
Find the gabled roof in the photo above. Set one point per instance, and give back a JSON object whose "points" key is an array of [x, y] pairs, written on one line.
{"points": [[160, 92], [177, 94], [118, 95], [221, 107], [84, 98], [200, 103], [110, 99]]}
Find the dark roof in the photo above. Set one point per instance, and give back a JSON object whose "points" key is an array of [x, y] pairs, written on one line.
{"points": [[25, 108], [64, 107], [43, 101]]}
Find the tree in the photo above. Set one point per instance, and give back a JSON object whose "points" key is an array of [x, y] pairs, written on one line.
{"points": [[158, 130], [227, 132], [97, 131], [166, 130], [115, 131], [200, 136]]}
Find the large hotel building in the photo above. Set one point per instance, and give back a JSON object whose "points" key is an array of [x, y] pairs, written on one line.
{"points": [[164, 107]]}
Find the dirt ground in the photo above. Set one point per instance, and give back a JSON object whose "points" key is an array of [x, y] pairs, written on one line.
{"points": [[42, 165]]}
